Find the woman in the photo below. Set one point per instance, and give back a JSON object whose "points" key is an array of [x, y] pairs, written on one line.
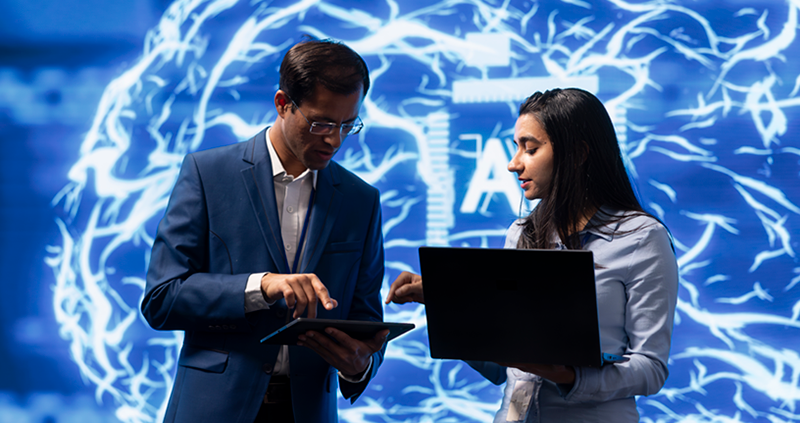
{"points": [[567, 156]]}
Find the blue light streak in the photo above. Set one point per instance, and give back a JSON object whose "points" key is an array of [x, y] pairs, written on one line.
{"points": [[192, 83]]}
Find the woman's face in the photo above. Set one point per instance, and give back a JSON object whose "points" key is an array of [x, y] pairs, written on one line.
{"points": [[533, 160]]}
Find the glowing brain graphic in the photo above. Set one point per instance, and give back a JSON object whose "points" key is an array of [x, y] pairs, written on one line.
{"points": [[447, 78]]}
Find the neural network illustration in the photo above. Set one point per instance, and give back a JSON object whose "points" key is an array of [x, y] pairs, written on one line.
{"points": [[704, 97]]}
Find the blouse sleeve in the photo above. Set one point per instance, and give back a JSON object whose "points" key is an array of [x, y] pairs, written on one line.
{"points": [[651, 288]]}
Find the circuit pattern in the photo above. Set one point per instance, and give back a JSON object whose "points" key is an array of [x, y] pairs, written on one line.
{"points": [[704, 98]]}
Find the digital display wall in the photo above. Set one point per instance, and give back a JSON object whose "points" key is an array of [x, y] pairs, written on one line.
{"points": [[703, 94]]}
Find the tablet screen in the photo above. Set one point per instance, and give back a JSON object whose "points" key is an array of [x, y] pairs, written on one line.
{"points": [[357, 329]]}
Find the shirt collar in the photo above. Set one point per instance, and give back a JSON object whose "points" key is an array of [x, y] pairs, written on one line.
{"points": [[595, 224], [277, 165]]}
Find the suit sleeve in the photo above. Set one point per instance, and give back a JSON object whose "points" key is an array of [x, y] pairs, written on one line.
{"points": [[180, 294], [366, 303]]}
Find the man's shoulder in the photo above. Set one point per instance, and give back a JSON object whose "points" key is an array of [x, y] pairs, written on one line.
{"points": [[235, 150], [349, 179]]}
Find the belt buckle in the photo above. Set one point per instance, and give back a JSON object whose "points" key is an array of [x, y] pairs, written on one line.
{"points": [[278, 391]]}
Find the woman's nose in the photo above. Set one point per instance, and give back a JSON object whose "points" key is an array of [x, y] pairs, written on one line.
{"points": [[514, 164]]}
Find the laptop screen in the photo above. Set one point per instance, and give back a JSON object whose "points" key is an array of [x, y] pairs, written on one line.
{"points": [[508, 305]]}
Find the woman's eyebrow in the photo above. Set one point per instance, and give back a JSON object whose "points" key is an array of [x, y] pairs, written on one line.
{"points": [[527, 139]]}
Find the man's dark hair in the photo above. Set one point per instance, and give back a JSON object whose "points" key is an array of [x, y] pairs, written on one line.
{"points": [[328, 63]]}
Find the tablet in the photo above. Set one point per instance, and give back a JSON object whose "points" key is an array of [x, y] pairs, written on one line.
{"points": [[358, 329]]}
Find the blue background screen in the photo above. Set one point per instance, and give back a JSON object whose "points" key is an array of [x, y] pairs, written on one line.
{"points": [[100, 102]]}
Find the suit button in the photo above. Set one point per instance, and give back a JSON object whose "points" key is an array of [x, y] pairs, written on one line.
{"points": [[281, 312], [233, 327], [225, 327], [267, 368]]}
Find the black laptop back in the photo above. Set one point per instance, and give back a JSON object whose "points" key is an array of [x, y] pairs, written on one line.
{"points": [[506, 305]]}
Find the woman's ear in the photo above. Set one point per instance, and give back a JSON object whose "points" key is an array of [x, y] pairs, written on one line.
{"points": [[584, 153]]}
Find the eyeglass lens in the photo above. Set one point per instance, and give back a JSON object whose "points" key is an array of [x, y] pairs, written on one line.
{"points": [[322, 128], [325, 128]]}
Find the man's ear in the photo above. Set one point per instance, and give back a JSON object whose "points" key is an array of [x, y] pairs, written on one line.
{"points": [[282, 103]]}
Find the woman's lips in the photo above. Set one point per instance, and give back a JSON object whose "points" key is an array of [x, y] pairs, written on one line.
{"points": [[525, 183]]}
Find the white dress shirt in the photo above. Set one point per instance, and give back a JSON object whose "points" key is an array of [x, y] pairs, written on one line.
{"points": [[292, 197]]}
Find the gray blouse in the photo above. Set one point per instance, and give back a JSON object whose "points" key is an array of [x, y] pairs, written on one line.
{"points": [[636, 274]]}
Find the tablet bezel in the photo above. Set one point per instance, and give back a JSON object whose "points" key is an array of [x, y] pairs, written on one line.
{"points": [[358, 329]]}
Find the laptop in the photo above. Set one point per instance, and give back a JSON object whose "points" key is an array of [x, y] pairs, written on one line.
{"points": [[507, 305]]}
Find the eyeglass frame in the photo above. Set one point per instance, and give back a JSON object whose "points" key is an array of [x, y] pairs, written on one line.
{"points": [[354, 127]]}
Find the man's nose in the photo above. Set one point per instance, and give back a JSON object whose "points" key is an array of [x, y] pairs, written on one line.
{"points": [[334, 139]]}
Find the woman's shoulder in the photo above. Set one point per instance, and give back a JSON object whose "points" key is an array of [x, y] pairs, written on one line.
{"points": [[633, 226], [644, 230], [516, 224], [630, 220], [638, 220], [513, 233]]}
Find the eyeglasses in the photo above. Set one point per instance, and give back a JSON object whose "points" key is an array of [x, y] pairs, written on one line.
{"points": [[327, 128]]}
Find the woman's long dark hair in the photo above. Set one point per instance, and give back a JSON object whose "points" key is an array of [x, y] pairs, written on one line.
{"points": [[588, 171]]}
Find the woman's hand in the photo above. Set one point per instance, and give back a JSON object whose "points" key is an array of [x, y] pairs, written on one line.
{"points": [[555, 373], [405, 289]]}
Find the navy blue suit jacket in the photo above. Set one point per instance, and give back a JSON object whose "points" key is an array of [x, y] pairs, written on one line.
{"points": [[220, 226]]}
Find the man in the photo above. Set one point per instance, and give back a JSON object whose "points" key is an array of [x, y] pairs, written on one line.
{"points": [[258, 233]]}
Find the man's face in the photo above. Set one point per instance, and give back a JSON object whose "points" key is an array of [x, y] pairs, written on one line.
{"points": [[303, 150]]}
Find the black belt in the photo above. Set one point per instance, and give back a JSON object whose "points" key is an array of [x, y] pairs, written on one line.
{"points": [[278, 391]]}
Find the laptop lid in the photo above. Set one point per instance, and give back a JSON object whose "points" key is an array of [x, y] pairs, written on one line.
{"points": [[507, 305]]}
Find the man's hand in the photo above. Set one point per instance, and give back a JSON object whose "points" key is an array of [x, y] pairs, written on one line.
{"points": [[300, 291], [406, 288], [349, 356], [555, 373]]}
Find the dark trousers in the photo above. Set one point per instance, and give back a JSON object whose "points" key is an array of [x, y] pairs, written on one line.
{"points": [[277, 406]]}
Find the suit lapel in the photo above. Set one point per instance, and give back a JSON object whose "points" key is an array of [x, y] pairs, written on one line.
{"points": [[261, 190], [327, 201]]}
